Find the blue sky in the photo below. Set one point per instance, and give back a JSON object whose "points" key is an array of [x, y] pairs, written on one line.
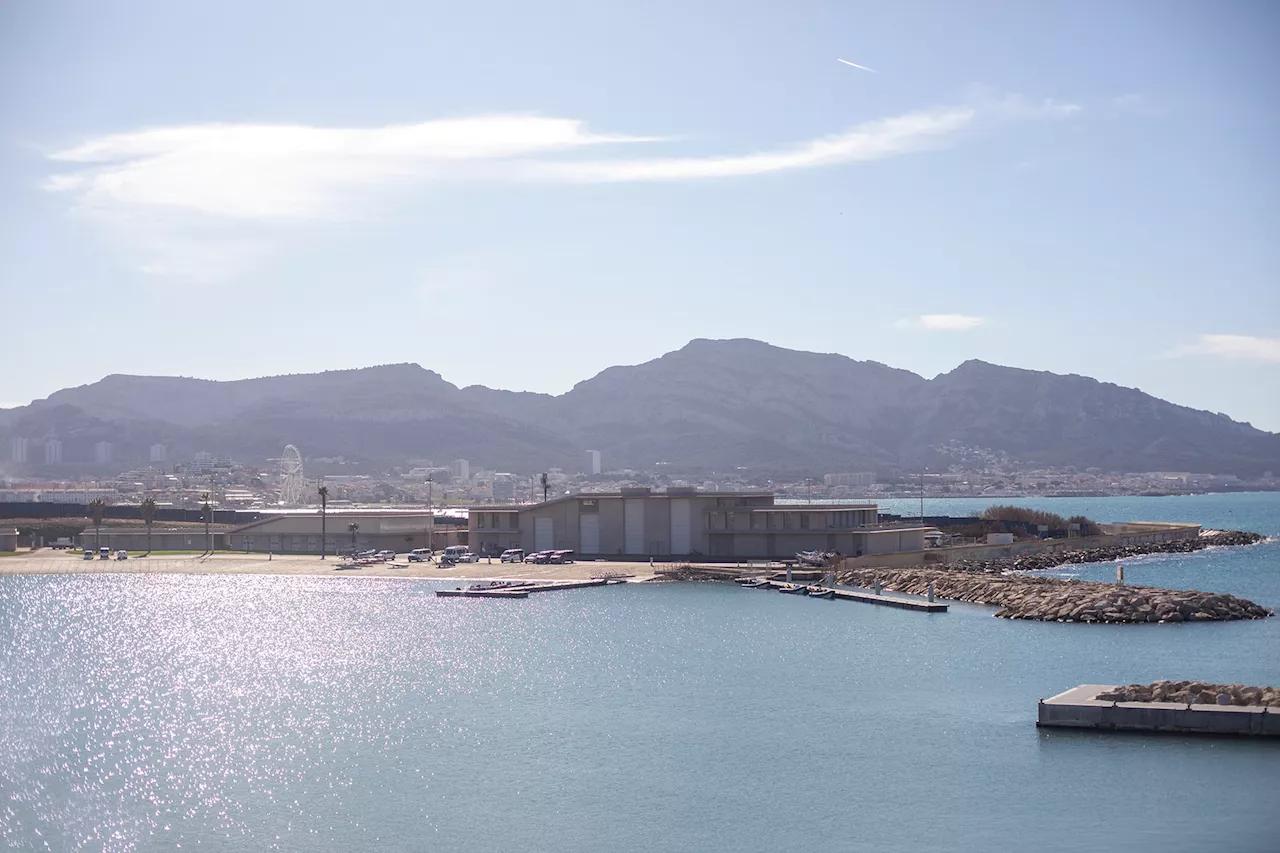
{"points": [[520, 195]]}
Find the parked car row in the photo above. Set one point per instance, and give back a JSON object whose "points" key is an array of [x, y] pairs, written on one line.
{"points": [[552, 557]]}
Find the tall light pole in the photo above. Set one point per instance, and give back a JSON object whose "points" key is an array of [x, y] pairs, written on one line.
{"points": [[353, 527], [544, 487], [324, 507], [921, 497], [431, 518], [208, 512]]}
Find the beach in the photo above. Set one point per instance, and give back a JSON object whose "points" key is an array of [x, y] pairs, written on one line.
{"points": [[49, 561]]}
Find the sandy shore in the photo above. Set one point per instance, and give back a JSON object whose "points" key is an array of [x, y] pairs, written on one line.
{"points": [[48, 561]]}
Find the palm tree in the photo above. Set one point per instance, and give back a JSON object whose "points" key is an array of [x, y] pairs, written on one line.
{"points": [[148, 511], [353, 527], [324, 506], [97, 508], [208, 513]]}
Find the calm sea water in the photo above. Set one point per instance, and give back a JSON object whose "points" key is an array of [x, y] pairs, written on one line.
{"points": [[293, 713]]}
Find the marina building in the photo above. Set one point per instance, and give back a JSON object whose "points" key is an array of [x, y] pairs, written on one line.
{"points": [[638, 523]]}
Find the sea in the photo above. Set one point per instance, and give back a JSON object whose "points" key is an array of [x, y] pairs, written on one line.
{"points": [[232, 713]]}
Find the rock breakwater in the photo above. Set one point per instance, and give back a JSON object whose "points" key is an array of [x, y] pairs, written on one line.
{"points": [[1056, 600], [1053, 559], [1195, 693]]}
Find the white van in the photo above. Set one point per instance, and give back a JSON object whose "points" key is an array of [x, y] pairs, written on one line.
{"points": [[461, 554], [512, 555], [420, 555]]}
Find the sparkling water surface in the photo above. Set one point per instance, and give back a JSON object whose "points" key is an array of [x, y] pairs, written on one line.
{"points": [[158, 712]]}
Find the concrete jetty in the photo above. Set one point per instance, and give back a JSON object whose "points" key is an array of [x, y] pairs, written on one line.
{"points": [[881, 600], [519, 589], [1079, 708]]}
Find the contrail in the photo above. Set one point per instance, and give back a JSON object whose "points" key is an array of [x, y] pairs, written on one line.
{"points": [[856, 65]]}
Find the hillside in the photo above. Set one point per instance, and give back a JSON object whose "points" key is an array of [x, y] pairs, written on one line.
{"points": [[712, 404]]}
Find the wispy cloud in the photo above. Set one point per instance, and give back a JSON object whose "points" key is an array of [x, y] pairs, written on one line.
{"points": [[941, 322], [181, 197], [1243, 347], [871, 141]]}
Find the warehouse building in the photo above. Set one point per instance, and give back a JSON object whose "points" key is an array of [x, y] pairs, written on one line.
{"points": [[684, 522], [395, 530]]}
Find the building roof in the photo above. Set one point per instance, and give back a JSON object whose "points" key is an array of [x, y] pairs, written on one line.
{"points": [[680, 492], [813, 507]]}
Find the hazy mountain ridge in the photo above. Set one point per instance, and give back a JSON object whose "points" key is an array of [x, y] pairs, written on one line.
{"points": [[713, 404]]}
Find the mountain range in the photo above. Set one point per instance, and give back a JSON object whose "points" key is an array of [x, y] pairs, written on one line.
{"points": [[710, 405]]}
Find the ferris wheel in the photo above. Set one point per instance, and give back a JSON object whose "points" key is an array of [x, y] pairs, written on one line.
{"points": [[292, 483]]}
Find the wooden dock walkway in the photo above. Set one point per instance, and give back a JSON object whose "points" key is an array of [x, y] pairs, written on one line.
{"points": [[881, 600]]}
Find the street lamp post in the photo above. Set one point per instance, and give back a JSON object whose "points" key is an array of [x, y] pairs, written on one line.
{"points": [[324, 506], [353, 527]]}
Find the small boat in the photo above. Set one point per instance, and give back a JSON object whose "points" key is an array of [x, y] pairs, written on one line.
{"points": [[793, 589], [821, 592], [759, 583]]}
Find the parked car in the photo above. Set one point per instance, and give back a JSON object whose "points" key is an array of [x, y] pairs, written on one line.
{"points": [[461, 554], [535, 557], [386, 554], [512, 555], [560, 557], [88, 554], [104, 553], [420, 555], [122, 554]]}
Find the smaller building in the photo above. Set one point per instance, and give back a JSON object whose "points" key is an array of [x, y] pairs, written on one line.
{"points": [[300, 532], [162, 538], [8, 539]]}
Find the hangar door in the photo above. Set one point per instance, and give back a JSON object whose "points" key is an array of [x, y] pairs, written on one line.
{"points": [[589, 533], [544, 534], [633, 525], [681, 526]]}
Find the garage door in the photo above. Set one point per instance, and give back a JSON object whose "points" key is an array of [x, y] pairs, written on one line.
{"points": [[633, 524], [543, 534], [589, 533], [681, 526]]}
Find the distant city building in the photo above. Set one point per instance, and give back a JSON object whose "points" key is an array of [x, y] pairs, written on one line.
{"points": [[504, 487], [460, 469], [593, 461], [53, 452], [205, 463], [18, 450], [102, 453], [858, 480], [159, 453]]}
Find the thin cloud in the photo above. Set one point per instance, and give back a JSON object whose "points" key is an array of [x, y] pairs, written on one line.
{"points": [[1240, 347], [941, 322], [856, 65]]}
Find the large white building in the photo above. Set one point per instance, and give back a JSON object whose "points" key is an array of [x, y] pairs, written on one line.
{"points": [[460, 470], [593, 461], [102, 453], [637, 523], [18, 448], [159, 453], [53, 452]]}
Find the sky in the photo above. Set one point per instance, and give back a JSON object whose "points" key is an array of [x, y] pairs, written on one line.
{"points": [[521, 194]]}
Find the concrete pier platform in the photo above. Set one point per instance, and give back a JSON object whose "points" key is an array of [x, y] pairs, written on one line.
{"points": [[1078, 708], [881, 600]]}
